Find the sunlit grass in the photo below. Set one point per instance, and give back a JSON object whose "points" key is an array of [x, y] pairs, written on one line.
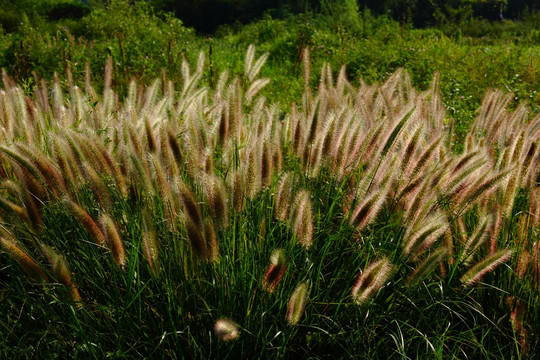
{"points": [[208, 223]]}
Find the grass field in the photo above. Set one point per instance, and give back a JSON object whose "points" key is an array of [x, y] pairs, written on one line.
{"points": [[265, 202]]}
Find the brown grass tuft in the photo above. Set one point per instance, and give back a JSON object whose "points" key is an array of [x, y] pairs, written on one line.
{"points": [[23, 259]]}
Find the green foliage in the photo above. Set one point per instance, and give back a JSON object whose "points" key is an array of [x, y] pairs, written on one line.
{"points": [[140, 44]]}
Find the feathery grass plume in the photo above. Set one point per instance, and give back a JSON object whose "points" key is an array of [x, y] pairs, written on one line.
{"points": [[374, 197], [424, 158], [510, 192], [94, 153], [306, 68], [319, 148], [526, 164], [211, 241], [415, 242], [27, 167], [477, 239], [150, 242], [313, 120], [58, 98], [207, 161], [223, 126], [368, 144], [517, 148], [226, 330], [36, 187], [251, 70], [236, 189], [495, 229], [459, 184], [534, 207], [190, 206], [346, 159], [341, 82], [343, 131], [86, 220], [536, 265], [65, 160], [98, 186], [31, 203], [393, 135], [236, 105], [217, 198], [41, 94], [109, 165], [371, 280], [524, 260], [113, 239], [469, 143], [502, 161], [23, 259], [302, 219], [49, 173], [465, 159], [61, 273], [517, 316], [297, 303], [266, 163], [427, 266], [275, 271], [134, 140], [164, 190], [253, 171], [449, 245], [175, 147], [248, 62], [75, 150], [143, 172], [161, 182], [166, 155], [410, 149], [255, 87], [277, 154], [10, 207], [150, 138], [295, 128], [283, 197], [486, 265], [368, 209], [196, 239], [420, 202]]}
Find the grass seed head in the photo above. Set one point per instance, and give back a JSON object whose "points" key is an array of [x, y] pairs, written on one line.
{"points": [[297, 303], [371, 280], [23, 259], [226, 330], [283, 197], [275, 271], [486, 265], [61, 272], [86, 220], [302, 219], [113, 239]]}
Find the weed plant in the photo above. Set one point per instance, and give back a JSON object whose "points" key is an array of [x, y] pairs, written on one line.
{"points": [[187, 221]]}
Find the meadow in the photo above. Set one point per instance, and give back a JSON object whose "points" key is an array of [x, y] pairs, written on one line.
{"points": [[315, 195]]}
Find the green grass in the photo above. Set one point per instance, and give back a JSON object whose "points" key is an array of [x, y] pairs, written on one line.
{"points": [[165, 301], [158, 160]]}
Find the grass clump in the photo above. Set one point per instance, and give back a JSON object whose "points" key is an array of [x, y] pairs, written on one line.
{"points": [[167, 214]]}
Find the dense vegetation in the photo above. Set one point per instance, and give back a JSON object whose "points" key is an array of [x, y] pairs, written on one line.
{"points": [[268, 203]]}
